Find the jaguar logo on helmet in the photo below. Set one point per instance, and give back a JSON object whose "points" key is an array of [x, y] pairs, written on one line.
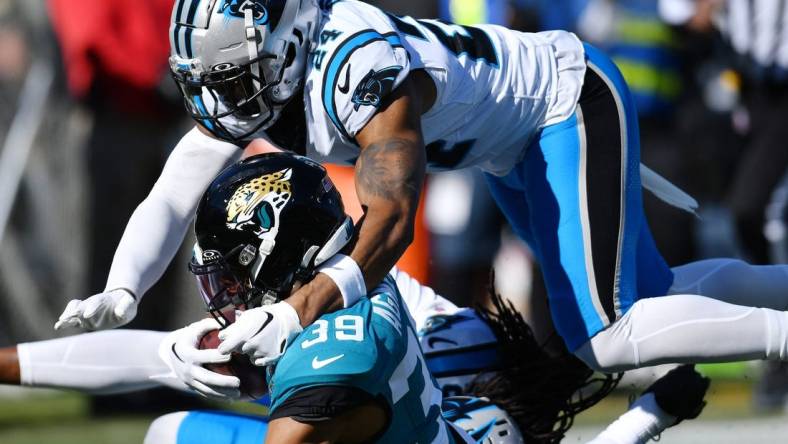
{"points": [[255, 205], [235, 8]]}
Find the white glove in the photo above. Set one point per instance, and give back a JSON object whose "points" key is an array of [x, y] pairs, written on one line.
{"points": [[101, 311], [179, 351], [263, 333]]}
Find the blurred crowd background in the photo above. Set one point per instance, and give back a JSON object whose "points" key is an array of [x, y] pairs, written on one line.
{"points": [[88, 114]]}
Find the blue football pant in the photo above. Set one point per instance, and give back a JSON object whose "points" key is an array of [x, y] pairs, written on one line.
{"points": [[576, 199], [718, 310]]}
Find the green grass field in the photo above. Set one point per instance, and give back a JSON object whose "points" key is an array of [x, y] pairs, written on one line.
{"points": [[63, 418]]}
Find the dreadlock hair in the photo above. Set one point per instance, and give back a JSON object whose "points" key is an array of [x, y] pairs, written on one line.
{"points": [[542, 393]]}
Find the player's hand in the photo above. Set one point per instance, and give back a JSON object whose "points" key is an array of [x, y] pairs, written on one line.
{"points": [[680, 392], [101, 311], [263, 333], [179, 350]]}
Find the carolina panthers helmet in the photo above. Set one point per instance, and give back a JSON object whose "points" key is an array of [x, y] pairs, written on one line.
{"points": [[264, 223], [458, 348], [482, 420], [238, 62]]}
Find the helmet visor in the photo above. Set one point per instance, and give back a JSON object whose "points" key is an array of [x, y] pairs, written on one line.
{"points": [[220, 289], [229, 100]]}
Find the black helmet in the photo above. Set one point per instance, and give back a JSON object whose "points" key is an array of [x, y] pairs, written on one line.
{"points": [[264, 223]]}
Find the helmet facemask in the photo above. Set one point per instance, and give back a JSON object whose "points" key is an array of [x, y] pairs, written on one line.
{"points": [[264, 224], [249, 63], [243, 279], [222, 287], [229, 101]]}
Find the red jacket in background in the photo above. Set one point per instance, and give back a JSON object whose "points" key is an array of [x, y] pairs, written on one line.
{"points": [[120, 45]]}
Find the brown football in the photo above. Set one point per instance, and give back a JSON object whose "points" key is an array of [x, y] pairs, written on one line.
{"points": [[253, 383]]}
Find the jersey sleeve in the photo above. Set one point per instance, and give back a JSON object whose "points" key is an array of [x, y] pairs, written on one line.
{"points": [[321, 403], [422, 301], [343, 348], [361, 70]]}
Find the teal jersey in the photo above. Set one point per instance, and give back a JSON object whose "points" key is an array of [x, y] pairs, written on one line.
{"points": [[371, 346]]}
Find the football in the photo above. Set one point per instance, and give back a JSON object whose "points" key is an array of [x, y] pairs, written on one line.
{"points": [[253, 382]]}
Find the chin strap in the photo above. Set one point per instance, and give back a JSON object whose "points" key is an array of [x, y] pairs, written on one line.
{"points": [[267, 245], [336, 242]]}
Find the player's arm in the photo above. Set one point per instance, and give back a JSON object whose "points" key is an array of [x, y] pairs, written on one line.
{"points": [[154, 232], [119, 361], [358, 425], [9, 366], [389, 176]]}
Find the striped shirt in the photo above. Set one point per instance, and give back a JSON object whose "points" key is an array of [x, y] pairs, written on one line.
{"points": [[756, 29]]}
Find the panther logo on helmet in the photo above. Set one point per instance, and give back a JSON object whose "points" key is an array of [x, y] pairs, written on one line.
{"points": [[256, 204], [235, 8]]}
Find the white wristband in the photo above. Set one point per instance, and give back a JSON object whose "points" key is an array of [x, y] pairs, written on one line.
{"points": [[346, 274]]}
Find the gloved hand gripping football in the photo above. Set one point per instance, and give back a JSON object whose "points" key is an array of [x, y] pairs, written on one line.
{"points": [[262, 333]]}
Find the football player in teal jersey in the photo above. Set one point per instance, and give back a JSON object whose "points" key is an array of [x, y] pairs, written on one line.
{"points": [[548, 118], [355, 375]]}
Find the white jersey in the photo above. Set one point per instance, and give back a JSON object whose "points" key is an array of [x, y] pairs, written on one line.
{"points": [[495, 87], [422, 301]]}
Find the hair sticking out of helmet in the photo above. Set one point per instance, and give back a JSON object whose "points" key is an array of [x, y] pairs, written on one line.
{"points": [[263, 224], [541, 392]]}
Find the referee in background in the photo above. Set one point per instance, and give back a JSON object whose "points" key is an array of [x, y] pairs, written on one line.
{"points": [[756, 31]]}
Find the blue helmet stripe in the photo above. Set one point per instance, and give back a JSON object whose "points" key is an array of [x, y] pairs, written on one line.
{"points": [[192, 12], [463, 363], [187, 40], [176, 39], [337, 62], [201, 106], [179, 11]]}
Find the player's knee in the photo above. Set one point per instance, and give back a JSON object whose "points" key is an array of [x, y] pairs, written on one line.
{"points": [[164, 429], [597, 360], [610, 350]]}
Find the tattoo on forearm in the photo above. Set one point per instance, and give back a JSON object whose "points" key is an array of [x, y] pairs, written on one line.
{"points": [[388, 170]]}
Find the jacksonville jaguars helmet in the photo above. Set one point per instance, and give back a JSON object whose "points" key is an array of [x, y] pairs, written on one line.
{"points": [[458, 348], [483, 421], [238, 62], [263, 224]]}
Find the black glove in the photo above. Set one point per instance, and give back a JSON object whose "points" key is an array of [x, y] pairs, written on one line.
{"points": [[680, 392]]}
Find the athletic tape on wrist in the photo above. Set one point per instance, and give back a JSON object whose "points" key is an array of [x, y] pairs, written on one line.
{"points": [[346, 274]]}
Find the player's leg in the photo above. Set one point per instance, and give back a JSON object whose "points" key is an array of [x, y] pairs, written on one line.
{"points": [[598, 258], [112, 361], [677, 328], [577, 180], [207, 428], [734, 281], [684, 327]]}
